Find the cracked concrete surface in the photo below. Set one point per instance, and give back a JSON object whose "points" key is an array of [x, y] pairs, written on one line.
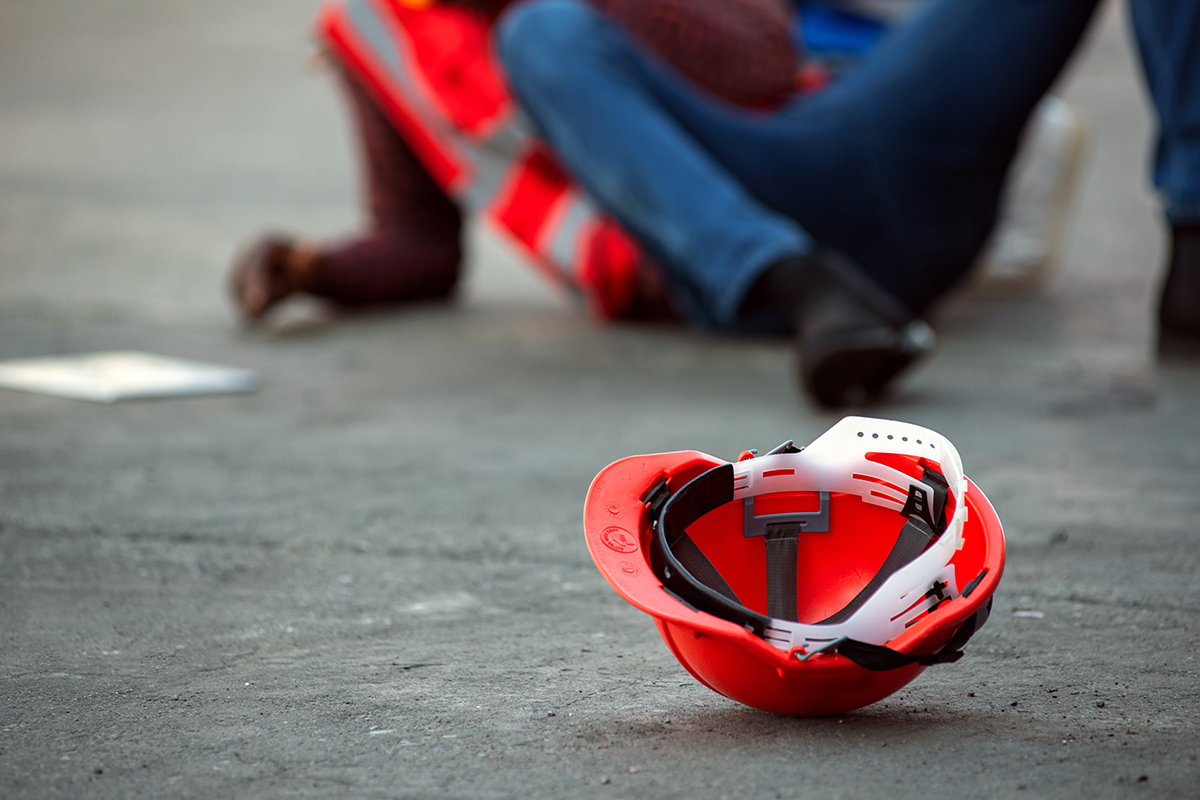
{"points": [[369, 578]]}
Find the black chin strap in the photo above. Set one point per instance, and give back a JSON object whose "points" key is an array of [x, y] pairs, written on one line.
{"points": [[880, 659]]}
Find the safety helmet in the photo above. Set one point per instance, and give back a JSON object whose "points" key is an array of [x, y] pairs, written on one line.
{"points": [[806, 581]]}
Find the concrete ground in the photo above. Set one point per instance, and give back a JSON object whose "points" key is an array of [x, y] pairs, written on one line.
{"points": [[369, 578]]}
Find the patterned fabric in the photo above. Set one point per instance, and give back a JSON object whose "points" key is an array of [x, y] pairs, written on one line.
{"points": [[740, 50], [411, 249]]}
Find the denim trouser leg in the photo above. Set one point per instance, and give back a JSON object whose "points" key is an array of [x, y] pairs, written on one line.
{"points": [[588, 88], [1168, 36], [900, 165]]}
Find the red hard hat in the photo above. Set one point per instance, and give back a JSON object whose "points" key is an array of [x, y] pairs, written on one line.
{"points": [[805, 581]]}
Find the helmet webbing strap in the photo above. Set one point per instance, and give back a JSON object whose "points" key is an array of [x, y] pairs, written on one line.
{"points": [[783, 547], [783, 544], [688, 574], [914, 537], [697, 564]]}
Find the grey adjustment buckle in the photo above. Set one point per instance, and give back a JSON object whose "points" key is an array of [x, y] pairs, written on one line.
{"points": [[809, 521]]}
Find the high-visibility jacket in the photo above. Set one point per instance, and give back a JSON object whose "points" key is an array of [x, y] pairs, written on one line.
{"points": [[431, 70]]}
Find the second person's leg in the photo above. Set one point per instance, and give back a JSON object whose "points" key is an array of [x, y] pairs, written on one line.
{"points": [[901, 164], [1168, 36]]}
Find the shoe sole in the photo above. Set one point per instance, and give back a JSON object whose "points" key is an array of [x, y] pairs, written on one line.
{"points": [[859, 369], [1174, 346]]}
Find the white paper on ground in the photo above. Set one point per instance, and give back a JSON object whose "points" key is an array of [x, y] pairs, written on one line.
{"points": [[122, 375]]}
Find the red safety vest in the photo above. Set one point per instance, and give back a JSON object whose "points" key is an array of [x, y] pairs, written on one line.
{"points": [[432, 72]]}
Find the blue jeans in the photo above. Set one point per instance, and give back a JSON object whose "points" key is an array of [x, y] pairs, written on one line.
{"points": [[1168, 36], [899, 165]]}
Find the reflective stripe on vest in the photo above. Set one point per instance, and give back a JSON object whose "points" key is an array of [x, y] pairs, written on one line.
{"points": [[477, 146]]}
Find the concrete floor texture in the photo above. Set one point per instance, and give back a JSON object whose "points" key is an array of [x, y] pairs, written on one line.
{"points": [[369, 579]]}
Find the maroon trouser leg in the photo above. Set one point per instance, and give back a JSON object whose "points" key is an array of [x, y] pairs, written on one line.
{"points": [[410, 251]]}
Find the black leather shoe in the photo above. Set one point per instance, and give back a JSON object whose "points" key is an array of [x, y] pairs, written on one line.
{"points": [[1179, 306], [853, 338]]}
